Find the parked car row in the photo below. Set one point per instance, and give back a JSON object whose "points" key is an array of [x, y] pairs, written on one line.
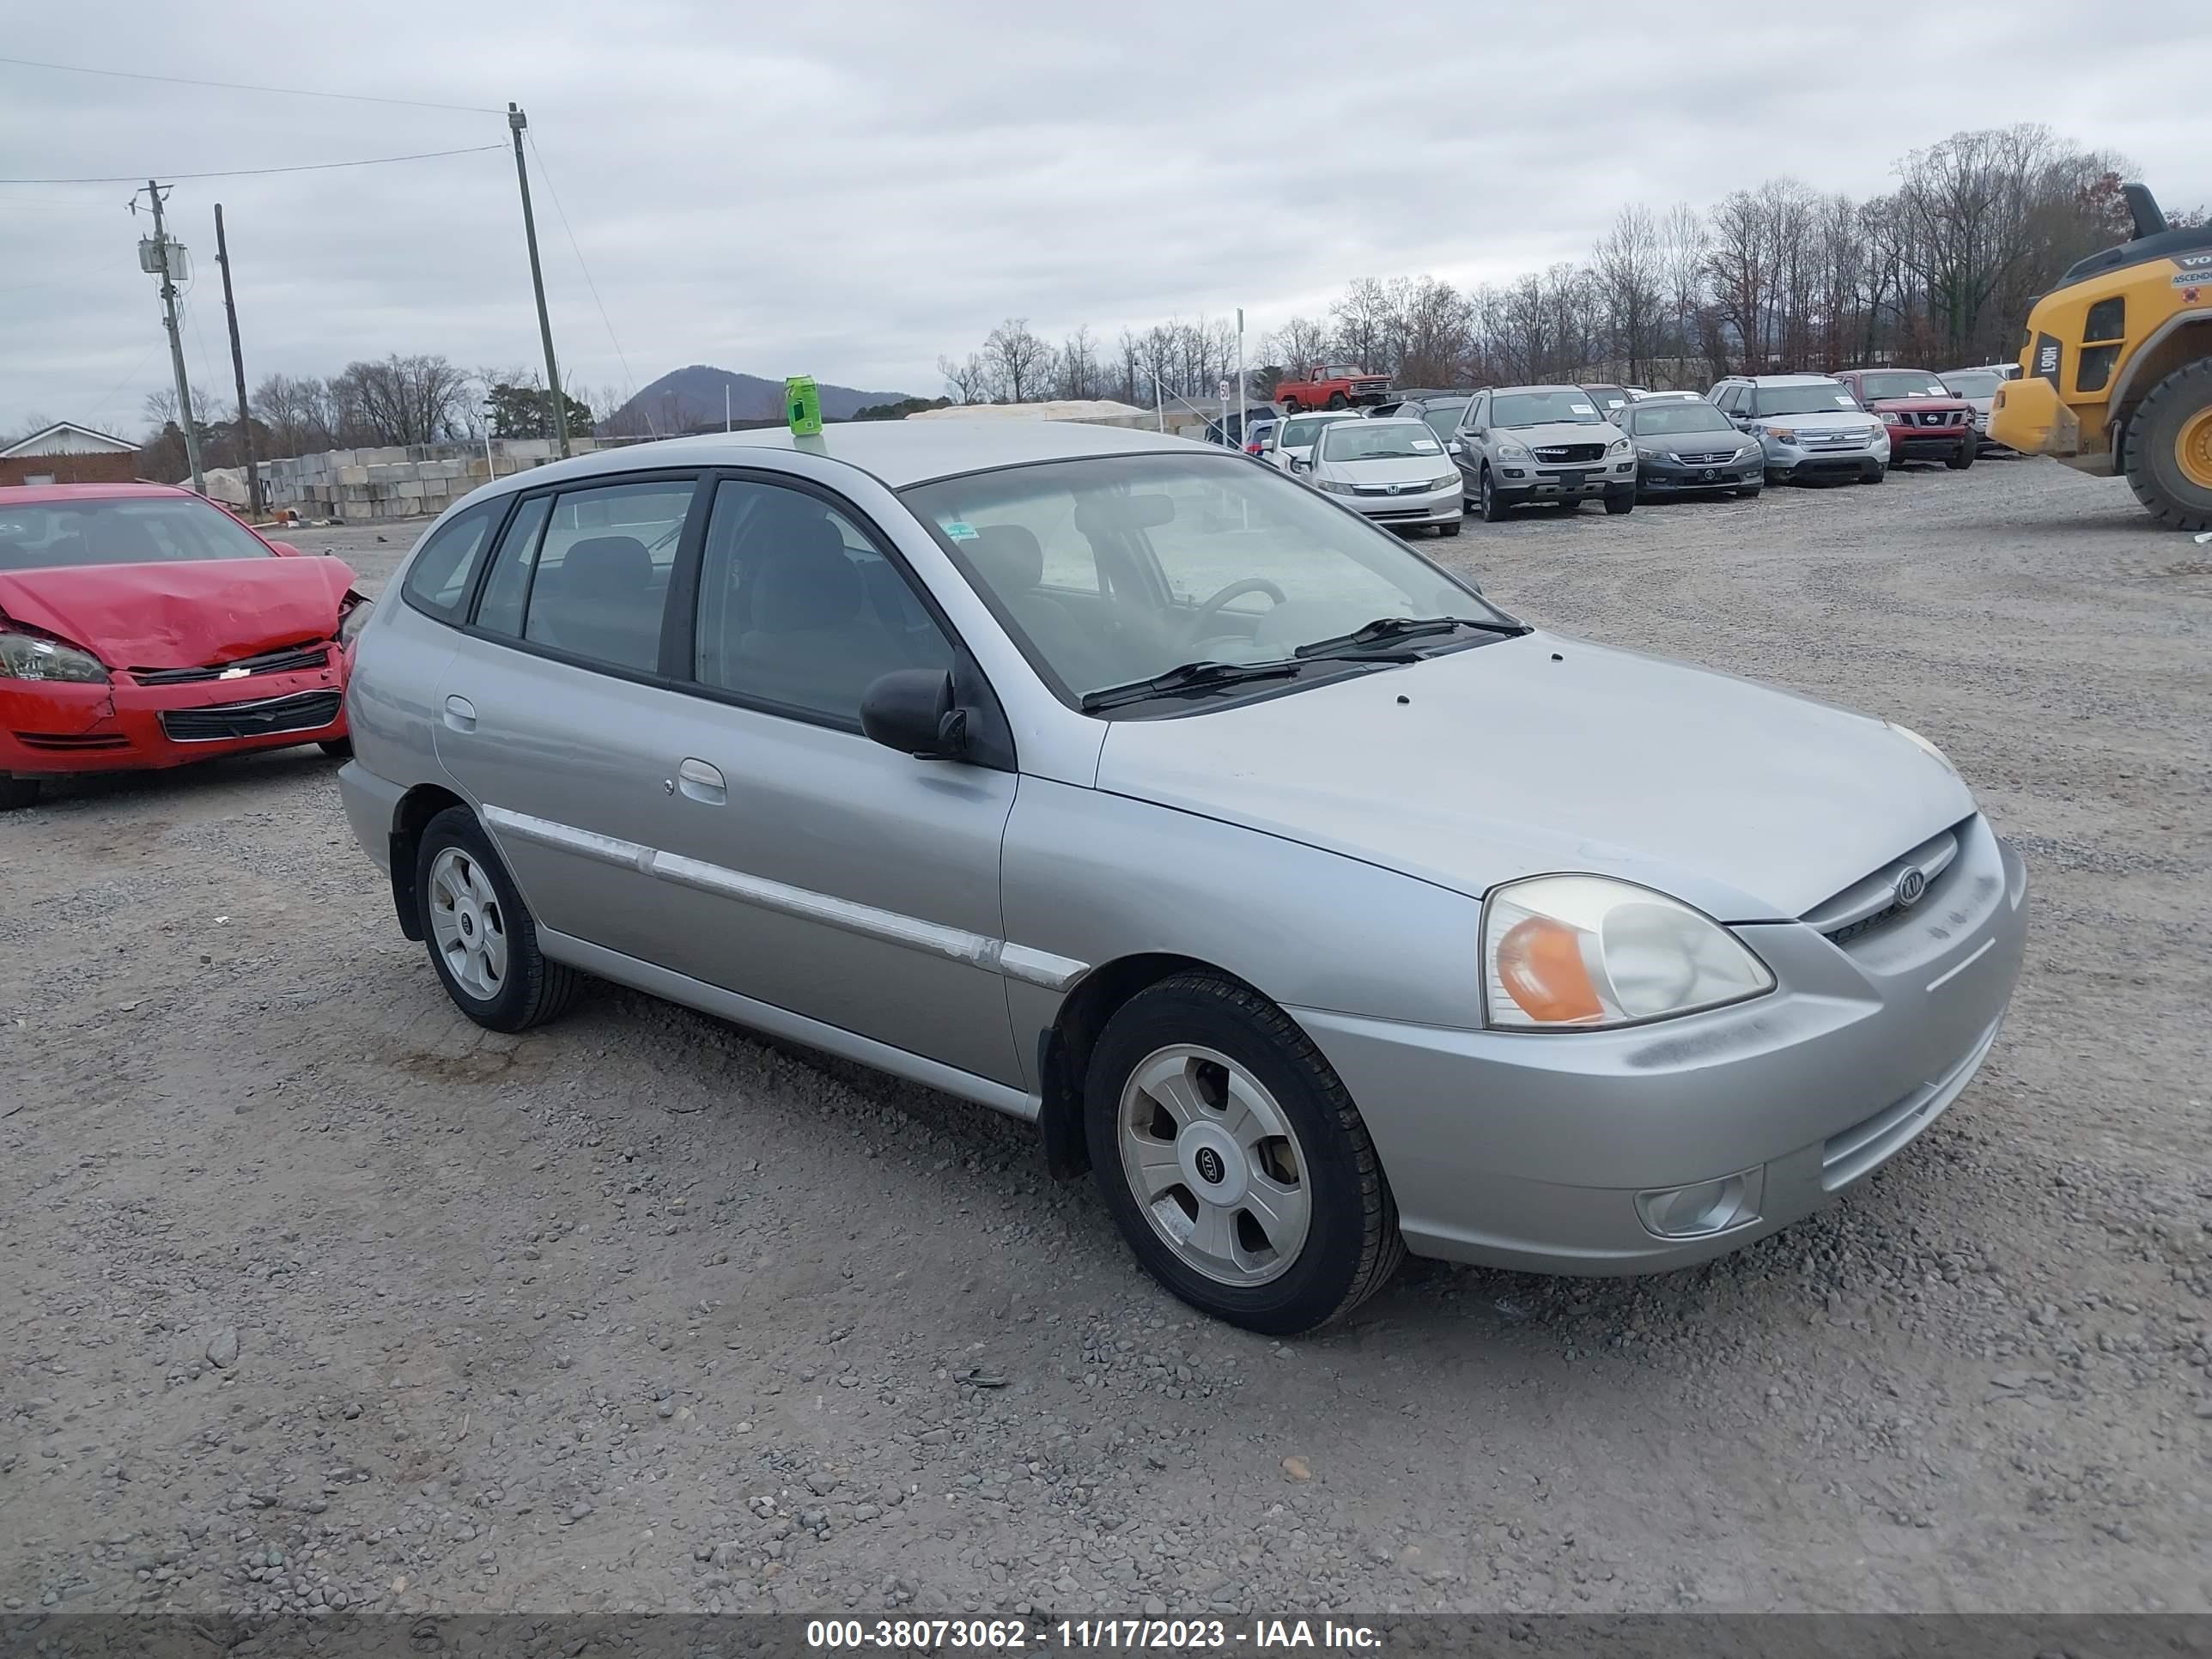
{"points": [[1516, 447]]}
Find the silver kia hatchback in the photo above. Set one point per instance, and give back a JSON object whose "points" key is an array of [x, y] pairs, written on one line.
{"points": [[1321, 908]]}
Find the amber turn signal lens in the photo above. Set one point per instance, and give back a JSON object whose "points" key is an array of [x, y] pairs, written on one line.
{"points": [[1539, 963]]}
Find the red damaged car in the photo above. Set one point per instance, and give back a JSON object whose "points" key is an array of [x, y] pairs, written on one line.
{"points": [[140, 626], [1926, 421]]}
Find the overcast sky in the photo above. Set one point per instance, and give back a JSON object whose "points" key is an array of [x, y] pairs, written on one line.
{"points": [[848, 191]]}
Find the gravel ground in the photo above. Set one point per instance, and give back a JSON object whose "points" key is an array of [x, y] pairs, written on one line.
{"points": [[317, 1296]]}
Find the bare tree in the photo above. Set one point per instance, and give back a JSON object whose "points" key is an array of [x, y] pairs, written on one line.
{"points": [[1630, 280], [1363, 321], [1298, 345], [1017, 360], [1075, 368], [403, 400], [160, 409], [968, 382]]}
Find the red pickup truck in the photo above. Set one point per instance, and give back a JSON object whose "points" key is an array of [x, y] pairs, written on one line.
{"points": [[1331, 386]]}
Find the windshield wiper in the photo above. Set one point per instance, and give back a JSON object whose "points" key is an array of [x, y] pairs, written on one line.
{"points": [[1189, 676], [1386, 630]]}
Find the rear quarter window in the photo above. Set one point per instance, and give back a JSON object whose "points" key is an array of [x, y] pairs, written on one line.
{"points": [[442, 575]]}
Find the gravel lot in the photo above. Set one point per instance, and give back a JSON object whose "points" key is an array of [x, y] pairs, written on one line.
{"points": [[317, 1295]]}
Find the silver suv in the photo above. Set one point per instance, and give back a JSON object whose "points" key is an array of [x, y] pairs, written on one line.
{"points": [[1810, 426], [1520, 444]]}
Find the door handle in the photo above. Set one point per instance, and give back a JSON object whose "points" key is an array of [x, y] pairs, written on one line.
{"points": [[460, 713], [701, 782]]}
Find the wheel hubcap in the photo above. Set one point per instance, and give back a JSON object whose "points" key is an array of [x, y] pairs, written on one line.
{"points": [[2192, 449], [1214, 1166], [467, 923]]}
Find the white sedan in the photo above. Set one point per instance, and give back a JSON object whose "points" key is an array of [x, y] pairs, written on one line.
{"points": [[1395, 471]]}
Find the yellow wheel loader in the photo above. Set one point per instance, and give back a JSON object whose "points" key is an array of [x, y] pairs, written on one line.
{"points": [[2115, 372]]}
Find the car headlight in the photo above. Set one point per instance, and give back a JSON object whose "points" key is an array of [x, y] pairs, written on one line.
{"points": [[1923, 746], [1333, 487], [1587, 952], [1783, 434], [1746, 452], [1450, 480], [1651, 452], [28, 656], [356, 619], [1509, 451], [1891, 417], [1618, 446]]}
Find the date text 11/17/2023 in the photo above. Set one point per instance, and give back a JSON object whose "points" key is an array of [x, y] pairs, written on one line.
{"points": [[1015, 1635]]}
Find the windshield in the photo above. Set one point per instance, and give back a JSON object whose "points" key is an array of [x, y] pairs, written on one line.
{"points": [[1902, 383], [1377, 440], [1443, 418], [1974, 383], [1609, 397], [159, 530], [1825, 398], [1573, 408], [1304, 429], [1113, 570], [1646, 419]]}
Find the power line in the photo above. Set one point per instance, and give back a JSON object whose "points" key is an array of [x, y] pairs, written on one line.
{"points": [[573, 247], [254, 172], [236, 86]]}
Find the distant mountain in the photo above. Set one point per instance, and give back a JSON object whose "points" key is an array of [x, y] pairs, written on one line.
{"points": [[685, 398]]}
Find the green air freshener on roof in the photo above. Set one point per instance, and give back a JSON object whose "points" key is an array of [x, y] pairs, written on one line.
{"points": [[802, 402]]}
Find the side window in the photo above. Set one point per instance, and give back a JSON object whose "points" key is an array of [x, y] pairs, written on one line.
{"points": [[587, 572], [499, 608], [797, 607], [439, 579], [1477, 414]]}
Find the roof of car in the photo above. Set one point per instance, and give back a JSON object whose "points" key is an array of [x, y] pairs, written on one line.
{"points": [[83, 492], [897, 453], [1785, 380], [1501, 389]]}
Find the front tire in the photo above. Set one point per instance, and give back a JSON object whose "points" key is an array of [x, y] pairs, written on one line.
{"points": [[1338, 400], [1292, 406], [1234, 1162], [1451, 529], [17, 794], [2169, 449], [479, 933], [1618, 502], [1749, 492], [1494, 508], [336, 748], [1961, 459]]}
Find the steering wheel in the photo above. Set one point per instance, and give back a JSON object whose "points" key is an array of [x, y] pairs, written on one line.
{"points": [[1236, 590]]}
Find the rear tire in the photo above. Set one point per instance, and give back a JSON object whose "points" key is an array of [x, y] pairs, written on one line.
{"points": [[17, 794], [490, 962], [1201, 1084], [2169, 449]]}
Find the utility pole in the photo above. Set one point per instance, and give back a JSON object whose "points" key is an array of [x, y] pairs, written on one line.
{"points": [[517, 122], [163, 265], [254, 501], [1244, 390]]}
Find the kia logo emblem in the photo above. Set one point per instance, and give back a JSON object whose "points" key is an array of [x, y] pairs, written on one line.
{"points": [[1911, 884]]}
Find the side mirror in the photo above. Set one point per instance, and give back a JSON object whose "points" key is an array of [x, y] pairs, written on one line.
{"points": [[1300, 464], [1454, 446], [912, 710]]}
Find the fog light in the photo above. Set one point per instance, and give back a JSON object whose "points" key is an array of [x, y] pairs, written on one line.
{"points": [[1702, 1208], [1513, 473]]}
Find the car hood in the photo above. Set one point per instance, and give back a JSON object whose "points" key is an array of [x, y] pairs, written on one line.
{"points": [[1415, 469], [1541, 753], [180, 615], [1561, 432], [1916, 405], [1720, 439], [1823, 420]]}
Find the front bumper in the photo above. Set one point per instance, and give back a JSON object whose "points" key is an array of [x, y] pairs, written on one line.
{"points": [[1912, 443], [1532, 1151], [49, 728], [1549, 481], [1444, 506], [1657, 476], [1791, 463]]}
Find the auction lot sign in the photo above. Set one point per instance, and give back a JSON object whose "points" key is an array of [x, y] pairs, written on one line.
{"points": [[682, 1636]]}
